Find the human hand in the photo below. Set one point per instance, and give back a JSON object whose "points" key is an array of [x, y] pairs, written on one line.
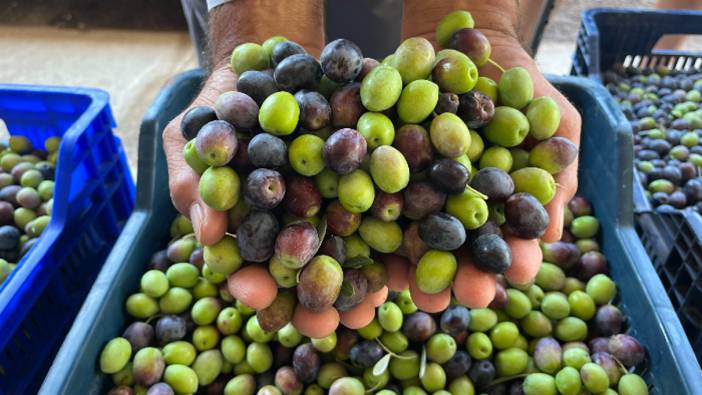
{"points": [[508, 52], [471, 286], [209, 224], [253, 284]]}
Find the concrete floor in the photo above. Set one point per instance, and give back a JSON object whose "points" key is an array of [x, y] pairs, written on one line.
{"points": [[133, 65]]}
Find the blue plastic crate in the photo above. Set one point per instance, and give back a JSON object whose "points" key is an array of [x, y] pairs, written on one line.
{"points": [[93, 197], [613, 36], [605, 166], [673, 240], [609, 36], [605, 178]]}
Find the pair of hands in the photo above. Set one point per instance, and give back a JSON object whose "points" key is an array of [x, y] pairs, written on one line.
{"points": [[471, 287]]}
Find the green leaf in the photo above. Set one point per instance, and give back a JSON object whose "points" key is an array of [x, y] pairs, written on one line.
{"points": [[382, 365], [423, 363], [321, 232], [357, 262], [475, 192]]}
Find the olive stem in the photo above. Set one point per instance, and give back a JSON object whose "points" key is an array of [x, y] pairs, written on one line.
{"points": [[621, 365], [387, 350], [373, 389], [390, 352], [153, 317], [492, 62], [506, 379]]}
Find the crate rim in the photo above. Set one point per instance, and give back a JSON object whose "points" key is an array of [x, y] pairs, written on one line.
{"points": [[628, 10]]}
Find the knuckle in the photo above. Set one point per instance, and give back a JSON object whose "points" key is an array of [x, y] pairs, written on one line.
{"points": [[171, 130]]}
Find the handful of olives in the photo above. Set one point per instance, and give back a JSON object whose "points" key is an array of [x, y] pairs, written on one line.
{"points": [[325, 166]]}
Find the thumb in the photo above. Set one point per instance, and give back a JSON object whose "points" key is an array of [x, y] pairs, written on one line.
{"points": [[208, 223], [567, 181]]}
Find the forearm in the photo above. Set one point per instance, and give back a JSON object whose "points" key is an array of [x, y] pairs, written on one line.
{"points": [[241, 21], [679, 4], [494, 18]]}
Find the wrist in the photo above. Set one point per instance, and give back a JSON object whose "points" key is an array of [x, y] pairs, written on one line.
{"points": [[241, 21]]}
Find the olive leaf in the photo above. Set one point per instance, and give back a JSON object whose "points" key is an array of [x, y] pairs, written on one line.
{"points": [[357, 262], [506, 379], [321, 233], [382, 365], [423, 363], [475, 192], [347, 289]]}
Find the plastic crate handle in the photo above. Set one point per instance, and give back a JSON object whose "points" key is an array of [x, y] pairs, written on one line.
{"points": [[658, 23], [70, 164]]}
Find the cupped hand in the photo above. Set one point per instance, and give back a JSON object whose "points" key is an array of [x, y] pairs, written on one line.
{"points": [[209, 224], [508, 52], [472, 287]]}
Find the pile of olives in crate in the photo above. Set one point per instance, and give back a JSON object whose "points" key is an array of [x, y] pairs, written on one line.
{"points": [[26, 197], [563, 334], [663, 106], [324, 165]]}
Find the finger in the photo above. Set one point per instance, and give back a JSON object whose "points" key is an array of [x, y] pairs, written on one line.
{"points": [[379, 297], [555, 219], [183, 181], [430, 303], [472, 287], [315, 324], [208, 223], [567, 181], [396, 268], [253, 286], [360, 315], [526, 260]]}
